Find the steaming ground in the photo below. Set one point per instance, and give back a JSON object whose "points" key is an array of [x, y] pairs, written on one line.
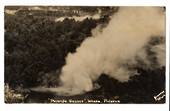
{"points": [[116, 50]]}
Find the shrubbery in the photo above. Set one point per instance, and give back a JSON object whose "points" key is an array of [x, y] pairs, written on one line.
{"points": [[11, 96], [36, 46]]}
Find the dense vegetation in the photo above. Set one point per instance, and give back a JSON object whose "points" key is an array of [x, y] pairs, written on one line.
{"points": [[36, 47]]}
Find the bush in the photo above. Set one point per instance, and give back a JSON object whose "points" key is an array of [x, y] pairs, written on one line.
{"points": [[11, 96]]}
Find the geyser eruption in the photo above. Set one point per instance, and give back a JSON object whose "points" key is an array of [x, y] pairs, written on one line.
{"points": [[114, 50]]}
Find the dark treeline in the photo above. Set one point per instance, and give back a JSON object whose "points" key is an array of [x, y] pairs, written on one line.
{"points": [[35, 47]]}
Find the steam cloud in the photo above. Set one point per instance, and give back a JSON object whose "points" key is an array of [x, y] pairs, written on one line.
{"points": [[114, 50]]}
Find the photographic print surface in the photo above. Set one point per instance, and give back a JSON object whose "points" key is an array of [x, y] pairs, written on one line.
{"points": [[84, 54]]}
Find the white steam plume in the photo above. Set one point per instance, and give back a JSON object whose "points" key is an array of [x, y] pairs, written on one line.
{"points": [[128, 31]]}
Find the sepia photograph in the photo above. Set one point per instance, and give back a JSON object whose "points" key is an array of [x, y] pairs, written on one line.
{"points": [[85, 54]]}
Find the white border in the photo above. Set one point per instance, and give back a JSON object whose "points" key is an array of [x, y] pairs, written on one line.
{"points": [[86, 2], [82, 107]]}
